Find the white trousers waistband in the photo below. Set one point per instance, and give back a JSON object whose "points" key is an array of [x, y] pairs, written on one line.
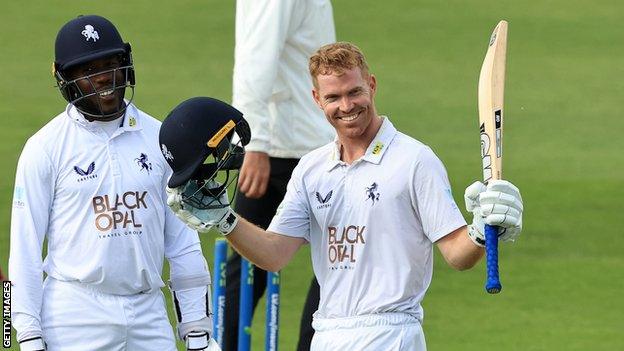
{"points": [[369, 320]]}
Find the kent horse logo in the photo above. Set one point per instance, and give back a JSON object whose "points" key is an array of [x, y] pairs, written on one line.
{"points": [[90, 33], [141, 161], [168, 155], [371, 193], [82, 172]]}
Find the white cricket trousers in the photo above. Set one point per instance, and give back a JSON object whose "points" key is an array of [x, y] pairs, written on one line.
{"points": [[75, 316], [375, 332]]}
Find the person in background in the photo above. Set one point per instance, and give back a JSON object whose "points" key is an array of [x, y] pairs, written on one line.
{"points": [[271, 87]]}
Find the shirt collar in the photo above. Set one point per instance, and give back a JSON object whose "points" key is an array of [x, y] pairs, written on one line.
{"points": [[128, 122], [334, 156], [375, 150], [131, 120]]}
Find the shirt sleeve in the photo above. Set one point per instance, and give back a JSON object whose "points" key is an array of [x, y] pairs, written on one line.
{"points": [[432, 197], [292, 217], [191, 302], [183, 251], [32, 201], [261, 33]]}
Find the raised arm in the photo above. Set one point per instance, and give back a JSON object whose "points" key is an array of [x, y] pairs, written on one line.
{"points": [[497, 204], [458, 250], [267, 250]]}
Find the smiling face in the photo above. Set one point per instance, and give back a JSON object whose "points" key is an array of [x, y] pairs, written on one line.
{"points": [[347, 99], [103, 85]]}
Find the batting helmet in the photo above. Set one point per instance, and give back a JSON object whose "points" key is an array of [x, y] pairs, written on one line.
{"points": [[85, 39], [197, 140]]}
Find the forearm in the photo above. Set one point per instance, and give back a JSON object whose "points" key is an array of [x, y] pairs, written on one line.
{"points": [[33, 199], [459, 251], [26, 326], [26, 274], [27, 290], [266, 250], [189, 273]]}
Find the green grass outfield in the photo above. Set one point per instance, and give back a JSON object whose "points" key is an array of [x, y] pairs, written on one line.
{"points": [[563, 280]]}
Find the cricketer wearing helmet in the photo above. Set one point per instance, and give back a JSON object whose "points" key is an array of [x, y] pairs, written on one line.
{"points": [[371, 204], [92, 182]]}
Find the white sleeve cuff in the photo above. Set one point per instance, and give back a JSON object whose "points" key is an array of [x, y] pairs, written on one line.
{"points": [[27, 326], [32, 344]]}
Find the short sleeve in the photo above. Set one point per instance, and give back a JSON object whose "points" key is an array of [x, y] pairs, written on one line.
{"points": [[292, 217], [432, 197]]}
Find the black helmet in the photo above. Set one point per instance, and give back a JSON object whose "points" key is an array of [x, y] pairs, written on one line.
{"points": [[85, 39], [196, 139]]}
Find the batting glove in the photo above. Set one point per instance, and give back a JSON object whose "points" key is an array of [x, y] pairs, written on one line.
{"points": [[202, 220], [499, 204]]}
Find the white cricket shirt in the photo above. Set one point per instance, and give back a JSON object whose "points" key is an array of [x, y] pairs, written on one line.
{"points": [[372, 224], [271, 82], [101, 203]]}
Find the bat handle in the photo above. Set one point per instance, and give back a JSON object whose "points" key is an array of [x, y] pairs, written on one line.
{"points": [[492, 285]]}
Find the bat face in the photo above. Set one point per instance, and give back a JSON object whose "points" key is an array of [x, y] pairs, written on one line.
{"points": [[491, 96]]}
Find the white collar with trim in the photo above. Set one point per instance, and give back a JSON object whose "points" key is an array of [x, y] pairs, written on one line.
{"points": [[130, 121], [376, 149]]}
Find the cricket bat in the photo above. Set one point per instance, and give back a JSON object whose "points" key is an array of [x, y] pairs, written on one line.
{"points": [[491, 93]]}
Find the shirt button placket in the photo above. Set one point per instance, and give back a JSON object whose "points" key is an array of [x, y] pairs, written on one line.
{"points": [[348, 174], [114, 160]]}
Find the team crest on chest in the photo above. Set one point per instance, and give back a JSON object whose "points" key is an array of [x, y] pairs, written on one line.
{"points": [[372, 193], [143, 163]]}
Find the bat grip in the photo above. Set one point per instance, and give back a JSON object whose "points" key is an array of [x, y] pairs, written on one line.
{"points": [[492, 285]]}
